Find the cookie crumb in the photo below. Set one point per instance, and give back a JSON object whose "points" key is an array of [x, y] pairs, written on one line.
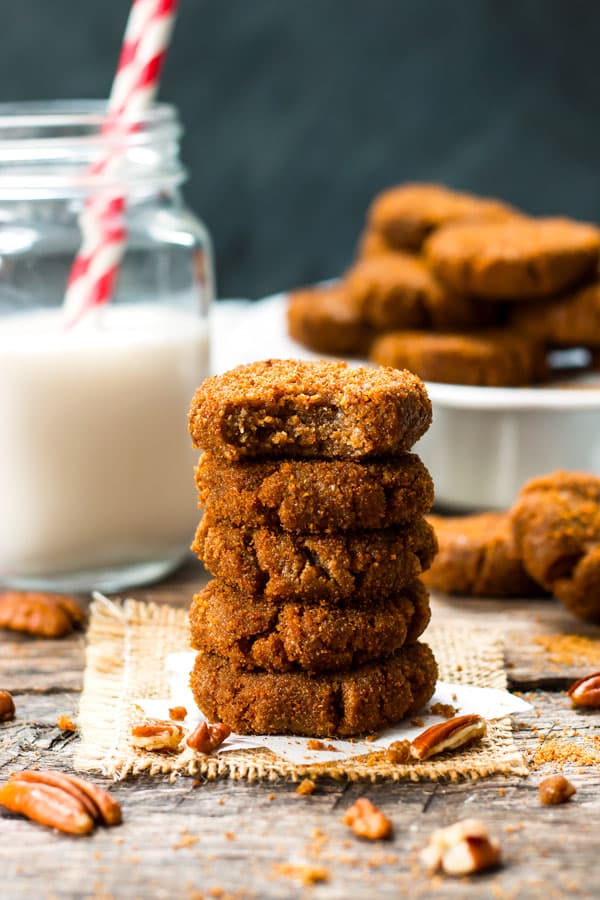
{"points": [[443, 709], [305, 874], [306, 787], [399, 752], [66, 724]]}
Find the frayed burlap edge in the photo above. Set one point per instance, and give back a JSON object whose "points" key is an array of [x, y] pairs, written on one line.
{"points": [[127, 646]]}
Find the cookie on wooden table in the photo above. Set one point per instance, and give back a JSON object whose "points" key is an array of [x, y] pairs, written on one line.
{"points": [[314, 495], [399, 291], [254, 633], [491, 358], [556, 524], [519, 259], [326, 320], [283, 565], [407, 214], [478, 557], [288, 408], [340, 704], [572, 320]]}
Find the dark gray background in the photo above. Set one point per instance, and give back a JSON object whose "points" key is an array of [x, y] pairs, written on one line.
{"points": [[298, 112]]}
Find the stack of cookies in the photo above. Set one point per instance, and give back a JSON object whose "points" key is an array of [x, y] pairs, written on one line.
{"points": [[458, 289], [314, 530]]}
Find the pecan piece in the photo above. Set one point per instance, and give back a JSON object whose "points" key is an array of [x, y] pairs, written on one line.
{"points": [[450, 735], [586, 691], [163, 737], [7, 707], [47, 805], [554, 790], [41, 615], [98, 803], [206, 738], [366, 821], [461, 849], [178, 713]]}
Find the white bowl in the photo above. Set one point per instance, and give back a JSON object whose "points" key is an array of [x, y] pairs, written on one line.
{"points": [[484, 443]]}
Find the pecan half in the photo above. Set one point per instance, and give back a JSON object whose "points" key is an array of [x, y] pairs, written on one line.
{"points": [[41, 615], [461, 849], [586, 691], [450, 735], [47, 805], [554, 790], [206, 738], [7, 707], [366, 821], [163, 737], [98, 803]]}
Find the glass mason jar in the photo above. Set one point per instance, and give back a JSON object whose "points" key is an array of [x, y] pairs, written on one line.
{"points": [[96, 483]]}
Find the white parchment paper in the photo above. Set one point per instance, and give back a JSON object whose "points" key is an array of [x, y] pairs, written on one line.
{"points": [[487, 702]]}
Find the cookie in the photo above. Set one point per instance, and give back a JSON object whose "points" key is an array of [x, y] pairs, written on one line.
{"points": [[372, 243], [406, 215], [254, 633], [326, 320], [493, 358], [399, 291], [314, 495], [556, 524], [518, 260], [282, 565], [288, 408], [342, 704], [477, 556], [572, 320]]}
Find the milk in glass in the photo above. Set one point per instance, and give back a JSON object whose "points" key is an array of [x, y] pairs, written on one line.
{"points": [[95, 459]]}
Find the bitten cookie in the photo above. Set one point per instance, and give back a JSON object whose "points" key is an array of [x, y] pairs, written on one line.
{"points": [[494, 358], [477, 556], [556, 524], [399, 291], [519, 259], [254, 633], [406, 215], [282, 565], [326, 320], [289, 408], [341, 704], [314, 495], [569, 321]]}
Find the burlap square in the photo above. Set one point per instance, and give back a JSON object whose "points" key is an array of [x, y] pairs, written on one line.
{"points": [[127, 647]]}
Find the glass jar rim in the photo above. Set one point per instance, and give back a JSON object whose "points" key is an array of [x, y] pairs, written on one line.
{"points": [[52, 145], [93, 114]]}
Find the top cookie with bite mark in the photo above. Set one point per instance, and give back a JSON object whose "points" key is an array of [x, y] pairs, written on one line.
{"points": [[291, 408]]}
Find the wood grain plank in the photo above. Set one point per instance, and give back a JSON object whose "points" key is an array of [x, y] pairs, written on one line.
{"points": [[246, 831]]}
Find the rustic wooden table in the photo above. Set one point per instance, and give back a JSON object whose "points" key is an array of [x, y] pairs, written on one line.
{"points": [[234, 839]]}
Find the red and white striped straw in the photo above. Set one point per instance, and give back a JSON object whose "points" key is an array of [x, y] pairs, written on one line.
{"points": [[95, 269]]}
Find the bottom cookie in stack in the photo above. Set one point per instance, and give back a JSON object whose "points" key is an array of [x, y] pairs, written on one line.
{"points": [[343, 704]]}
